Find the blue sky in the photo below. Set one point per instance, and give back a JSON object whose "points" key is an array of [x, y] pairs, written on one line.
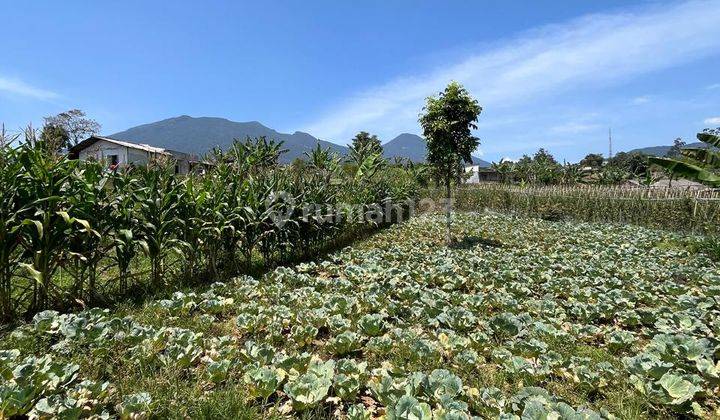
{"points": [[548, 74]]}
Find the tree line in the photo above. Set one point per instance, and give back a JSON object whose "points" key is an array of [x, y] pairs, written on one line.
{"points": [[542, 168]]}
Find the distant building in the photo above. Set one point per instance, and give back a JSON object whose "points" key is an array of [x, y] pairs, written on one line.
{"points": [[480, 174], [120, 153]]}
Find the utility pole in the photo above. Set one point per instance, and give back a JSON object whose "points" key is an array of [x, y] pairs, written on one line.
{"points": [[609, 143]]}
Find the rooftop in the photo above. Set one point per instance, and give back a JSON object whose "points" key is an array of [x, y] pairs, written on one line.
{"points": [[75, 150]]}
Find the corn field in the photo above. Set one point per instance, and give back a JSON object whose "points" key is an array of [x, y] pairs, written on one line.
{"points": [[74, 233], [665, 208]]}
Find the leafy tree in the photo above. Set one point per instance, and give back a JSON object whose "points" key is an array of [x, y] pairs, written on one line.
{"points": [[541, 168], [364, 145], [447, 122], [633, 163], [678, 145], [592, 160], [571, 174], [75, 124], [504, 168], [543, 157], [54, 138], [546, 170], [523, 169], [611, 175], [698, 164]]}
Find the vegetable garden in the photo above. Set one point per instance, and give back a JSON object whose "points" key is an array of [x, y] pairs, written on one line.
{"points": [[75, 233], [522, 318], [674, 209]]}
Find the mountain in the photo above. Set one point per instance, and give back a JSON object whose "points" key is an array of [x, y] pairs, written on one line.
{"points": [[412, 146], [199, 135], [661, 151]]}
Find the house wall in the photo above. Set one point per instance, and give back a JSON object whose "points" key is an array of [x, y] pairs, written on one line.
{"points": [[489, 177], [183, 162], [473, 171], [184, 166], [478, 175], [103, 150], [138, 157], [128, 155]]}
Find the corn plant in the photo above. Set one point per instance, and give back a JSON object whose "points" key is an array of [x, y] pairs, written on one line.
{"points": [[190, 209], [124, 226], [47, 225], [159, 226], [11, 206], [93, 199], [60, 216]]}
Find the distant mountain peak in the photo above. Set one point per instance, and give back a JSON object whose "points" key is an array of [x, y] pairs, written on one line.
{"points": [[406, 137], [412, 146], [661, 151], [302, 133], [198, 135]]}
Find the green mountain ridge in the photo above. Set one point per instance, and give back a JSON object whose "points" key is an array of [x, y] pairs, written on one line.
{"points": [[661, 151], [199, 135]]}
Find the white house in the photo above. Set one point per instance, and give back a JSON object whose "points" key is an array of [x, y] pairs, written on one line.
{"points": [[479, 174], [123, 153]]}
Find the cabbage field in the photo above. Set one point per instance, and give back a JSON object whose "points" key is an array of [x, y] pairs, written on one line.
{"points": [[522, 318]]}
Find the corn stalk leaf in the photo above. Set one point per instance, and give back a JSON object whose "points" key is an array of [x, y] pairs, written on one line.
{"points": [[38, 226], [35, 274]]}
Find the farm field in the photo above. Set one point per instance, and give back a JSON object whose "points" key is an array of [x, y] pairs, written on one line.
{"points": [[522, 318]]}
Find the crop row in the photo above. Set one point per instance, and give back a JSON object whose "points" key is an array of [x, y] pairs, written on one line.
{"points": [[73, 231], [526, 318], [663, 208]]}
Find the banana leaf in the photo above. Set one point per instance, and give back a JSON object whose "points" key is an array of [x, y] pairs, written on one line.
{"points": [[708, 138], [703, 156], [687, 171]]}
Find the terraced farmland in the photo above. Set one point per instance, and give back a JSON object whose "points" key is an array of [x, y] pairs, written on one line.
{"points": [[522, 318]]}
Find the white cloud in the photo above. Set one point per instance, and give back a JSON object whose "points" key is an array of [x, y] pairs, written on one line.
{"points": [[713, 86], [713, 120], [573, 128], [641, 100], [589, 51], [20, 88]]}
